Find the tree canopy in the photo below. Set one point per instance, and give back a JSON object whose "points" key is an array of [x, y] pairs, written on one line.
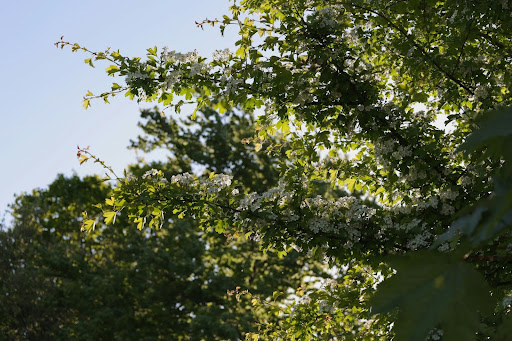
{"points": [[401, 108], [120, 283]]}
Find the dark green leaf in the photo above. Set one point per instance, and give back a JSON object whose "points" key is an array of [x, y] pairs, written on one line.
{"points": [[432, 289]]}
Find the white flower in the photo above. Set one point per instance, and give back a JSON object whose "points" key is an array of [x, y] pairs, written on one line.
{"points": [[401, 152], [305, 299], [133, 76], [131, 178], [317, 224], [507, 302], [481, 93], [142, 94], [421, 239], [221, 55], [330, 284], [182, 179], [448, 195], [150, 173], [325, 18], [195, 69], [222, 180]]}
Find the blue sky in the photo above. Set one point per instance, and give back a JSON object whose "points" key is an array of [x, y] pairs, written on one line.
{"points": [[41, 116]]}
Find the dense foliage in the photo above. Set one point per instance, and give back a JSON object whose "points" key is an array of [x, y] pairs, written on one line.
{"points": [[402, 104], [57, 283]]}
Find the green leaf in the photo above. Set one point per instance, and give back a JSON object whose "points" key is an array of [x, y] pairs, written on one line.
{"points": [[489, 217], [83, 158], [140, 222], [350, 183], [187, 92], [166, 98], [494, 133], [220, 227], [420, 97], [276, 294], [152, 51], [432, 289], [241, 52], [464, 225], [220, 107], [88, 224], [89, 61], [110, 217], [111, 70], [504, 330]]}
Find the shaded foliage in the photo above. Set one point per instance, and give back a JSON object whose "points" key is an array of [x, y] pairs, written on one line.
{"points": [[118, 282], [358, 92]]}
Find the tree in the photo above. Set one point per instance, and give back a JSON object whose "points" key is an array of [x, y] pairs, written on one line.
{"points": [[120, 283], [358, 89]]}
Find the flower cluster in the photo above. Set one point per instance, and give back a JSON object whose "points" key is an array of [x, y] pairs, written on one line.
{"points": [[330, 284], [326, 17], [221, 55], [346, 214], [217, 183], [386, 149], [416, 173], [155, 175], [135, 76], [211, 185], [150, 173], [182, 179], [279, 195], [174, 57]]}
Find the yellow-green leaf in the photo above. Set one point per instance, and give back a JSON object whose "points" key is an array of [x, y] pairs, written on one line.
{"points": [[110, 217], [140, 222], [83, 158]]}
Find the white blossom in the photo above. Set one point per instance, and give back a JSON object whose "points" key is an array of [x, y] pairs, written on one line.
{"points": [[318, 224], [182, 179], [420, 240], [221, 55], [134, 76], [150, 173], [131, 178], [195, 69], [481, 93]]}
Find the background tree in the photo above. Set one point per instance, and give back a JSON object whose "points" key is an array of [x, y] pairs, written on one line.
{"points": [[368, 82], [120, 283]]}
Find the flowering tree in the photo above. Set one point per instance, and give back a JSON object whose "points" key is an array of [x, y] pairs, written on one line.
{"points": [[119, 283], [401, 104]]}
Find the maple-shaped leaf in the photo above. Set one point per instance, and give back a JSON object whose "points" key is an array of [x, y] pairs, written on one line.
{"points": [[432, 290]]}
